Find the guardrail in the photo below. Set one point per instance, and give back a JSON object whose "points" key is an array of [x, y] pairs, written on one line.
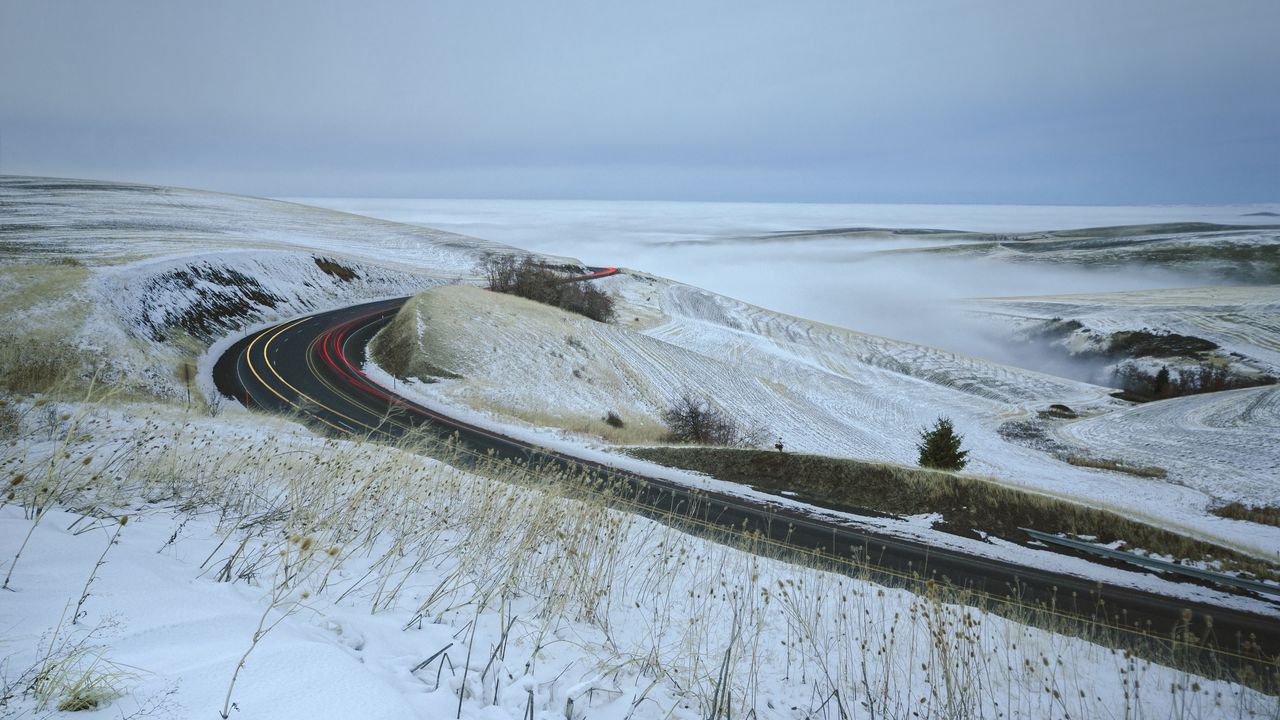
{"points": [[1155, 564]]}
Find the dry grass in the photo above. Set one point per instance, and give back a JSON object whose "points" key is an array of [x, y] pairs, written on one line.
{"points": [[400, 357], [26, 286], [519, 564], [966, 503], [637, 431], [1146, 471], [30, 364], [77, 677], [1264, 514], [10, 418]]}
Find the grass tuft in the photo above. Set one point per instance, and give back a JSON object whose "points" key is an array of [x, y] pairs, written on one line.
{"points": [[31, 365], [1263, 514]]}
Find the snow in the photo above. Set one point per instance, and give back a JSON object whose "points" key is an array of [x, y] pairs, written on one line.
{"points": [[181, 634], [1220, 443], [622, 616], [1241, 319], [637, 626], [822, 389]]}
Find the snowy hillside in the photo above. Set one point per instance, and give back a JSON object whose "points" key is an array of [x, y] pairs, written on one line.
{"points": [[821, 389], [124, 273], [1220, 443], [228, 566]]}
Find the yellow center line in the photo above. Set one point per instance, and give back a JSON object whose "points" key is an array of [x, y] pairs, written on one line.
{"points": [[275, 332], [852, 566], [319, 376]]}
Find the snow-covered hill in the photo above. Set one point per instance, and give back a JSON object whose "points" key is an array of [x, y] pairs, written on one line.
{"points": [[819, 388], [138, 278]]}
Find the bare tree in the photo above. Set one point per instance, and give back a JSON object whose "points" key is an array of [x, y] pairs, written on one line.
{"points": [[696, 419]]}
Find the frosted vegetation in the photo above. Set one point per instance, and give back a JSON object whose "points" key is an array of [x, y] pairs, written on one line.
{"points": [[819, 388], [266, 572]]}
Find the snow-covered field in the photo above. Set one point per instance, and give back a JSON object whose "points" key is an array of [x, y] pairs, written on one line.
{"points": [[1242, 319], [561, 600], [1217, 442]]}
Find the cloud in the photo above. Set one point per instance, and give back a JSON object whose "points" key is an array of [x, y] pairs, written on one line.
{"points": [[1053, 102]]}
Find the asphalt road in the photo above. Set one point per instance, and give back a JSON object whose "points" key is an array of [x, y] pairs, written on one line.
{"points": [[311, 366]]}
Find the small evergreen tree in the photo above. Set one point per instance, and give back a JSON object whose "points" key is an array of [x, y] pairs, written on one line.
{"points": [[940, 447], [1162, 382]]}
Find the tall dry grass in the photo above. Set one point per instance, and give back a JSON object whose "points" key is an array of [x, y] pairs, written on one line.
{"points": [[965, 502], [533, 566]]}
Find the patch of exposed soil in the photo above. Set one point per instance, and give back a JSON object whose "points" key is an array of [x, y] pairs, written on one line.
{"points": [[222, 299]]}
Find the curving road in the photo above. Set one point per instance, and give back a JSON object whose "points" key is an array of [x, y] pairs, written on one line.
{"points": [[312, 366]]}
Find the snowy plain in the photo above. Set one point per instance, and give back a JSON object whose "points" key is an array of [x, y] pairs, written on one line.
{"points": [[621, 616]]}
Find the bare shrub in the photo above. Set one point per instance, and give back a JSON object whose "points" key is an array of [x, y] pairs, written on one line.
{"points": [[214, 404], [696, 419], [536, 280], [585, 299]]}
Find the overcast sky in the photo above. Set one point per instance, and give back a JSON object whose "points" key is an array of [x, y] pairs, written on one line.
{"points": [[1019, 101]]}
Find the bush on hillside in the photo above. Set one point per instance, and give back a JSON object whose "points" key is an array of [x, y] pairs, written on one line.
{"points": [[940, 447], [538, 281], [695, 419]]}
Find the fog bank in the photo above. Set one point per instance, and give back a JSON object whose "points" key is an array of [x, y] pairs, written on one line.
{"points": [[853, 282]]}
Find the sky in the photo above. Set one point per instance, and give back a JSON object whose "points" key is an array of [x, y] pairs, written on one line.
{"points": [[983, 101]]}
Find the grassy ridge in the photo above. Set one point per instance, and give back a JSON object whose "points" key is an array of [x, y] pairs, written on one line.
{"points": [[966, 504]]}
